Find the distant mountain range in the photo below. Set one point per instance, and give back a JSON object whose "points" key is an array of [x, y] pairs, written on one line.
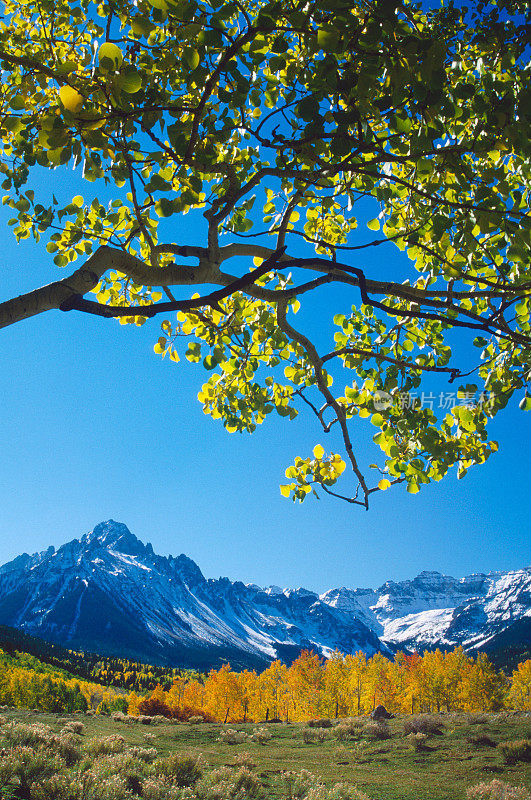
{"points": [[110, 593]]}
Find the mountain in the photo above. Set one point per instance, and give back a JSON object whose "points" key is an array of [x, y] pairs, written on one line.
{"points": [[110, 593]]}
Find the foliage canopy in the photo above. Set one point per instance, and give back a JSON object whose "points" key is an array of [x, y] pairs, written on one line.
{"points": [[288, 124]]}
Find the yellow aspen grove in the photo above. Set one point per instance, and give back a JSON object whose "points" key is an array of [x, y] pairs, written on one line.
{"points": [[306, 679], [484, 688], [356, 672], [277, 697], [520, 692], [335, 701], [222, 696]]}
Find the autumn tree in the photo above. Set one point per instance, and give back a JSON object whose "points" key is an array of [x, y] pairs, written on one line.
{"points": [[304, 135], [520, 691]]}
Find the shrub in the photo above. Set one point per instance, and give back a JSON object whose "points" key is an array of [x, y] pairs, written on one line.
{"points": [[338, 792], [517, 750], [28, 766], [56, 787], [244, 759], [423, 723], [418, 741], [350, 727], [67, 747], [181, 770], [231, 736], [227, 784], [496, 790], [296, 785], [105, 745], [481, 741], [305, 786], [74, 727], [146, 754], [261, 735], [377, 730], [477, 719], [20, 733], [320, 723], [196, 719], [309, 736], [155, 789], [341, 732]]}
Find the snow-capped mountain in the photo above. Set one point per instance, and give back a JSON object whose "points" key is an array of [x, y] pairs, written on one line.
{"points": [[110, 593]]}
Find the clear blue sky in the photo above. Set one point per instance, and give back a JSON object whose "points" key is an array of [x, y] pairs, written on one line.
{"points": [[94, 426]]}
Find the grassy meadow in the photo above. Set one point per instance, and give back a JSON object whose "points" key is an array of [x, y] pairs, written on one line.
{"points": [[426, 757]]}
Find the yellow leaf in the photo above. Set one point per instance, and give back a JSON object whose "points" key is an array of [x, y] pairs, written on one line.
{"points": [[70, 98], [384, 484], [257, 261], [318, 452], [285, 489]]}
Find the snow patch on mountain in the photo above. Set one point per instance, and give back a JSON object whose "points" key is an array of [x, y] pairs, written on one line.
{"points": [[110, 593]]}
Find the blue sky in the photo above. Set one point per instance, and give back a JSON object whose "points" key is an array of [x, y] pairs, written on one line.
{"points": [[94, 426]]}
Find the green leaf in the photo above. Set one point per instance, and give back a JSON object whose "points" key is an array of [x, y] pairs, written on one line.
{"points": [[110, 55], [191, 57], [130, 80]]}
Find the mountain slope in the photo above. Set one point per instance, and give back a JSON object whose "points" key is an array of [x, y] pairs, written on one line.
{"points": [[110, 593]]}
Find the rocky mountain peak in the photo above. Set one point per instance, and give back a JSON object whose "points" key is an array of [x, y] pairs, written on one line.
{"points": [[113, 535]]}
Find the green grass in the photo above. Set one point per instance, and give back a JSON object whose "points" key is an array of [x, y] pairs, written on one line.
{"points": [[386, 770]]}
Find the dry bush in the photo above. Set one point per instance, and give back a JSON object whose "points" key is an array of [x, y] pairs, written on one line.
{"points": [[105, 745], [477, 719], [497, 790], [56, 787], [261, 735], [180, 770], [417, 741], [305, 786], [377, 730], [232, 736], [146, 754], [196, 719], [228, 784], [481, 740], [244, 759], [74, 726], [309, 736], [295, 785], [155, 789], [338, 792], [424, 723], [21, 733], [25, 765], [320, 723], [516, 750]]}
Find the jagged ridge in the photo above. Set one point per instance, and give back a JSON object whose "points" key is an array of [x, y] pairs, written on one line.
{"points": [[108, 592]]}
